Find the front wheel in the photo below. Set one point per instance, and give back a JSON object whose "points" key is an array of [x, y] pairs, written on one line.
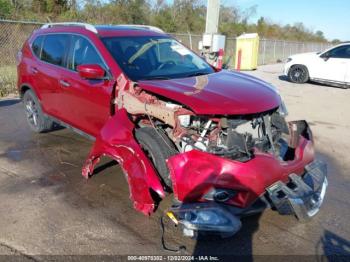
{"points": [[298, 74], [158, 148]]}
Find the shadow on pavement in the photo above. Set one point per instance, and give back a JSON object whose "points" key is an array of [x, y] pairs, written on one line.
{"points": [[102, 167], [334, 246], [9, 102], [240, 245], [283, 78]]}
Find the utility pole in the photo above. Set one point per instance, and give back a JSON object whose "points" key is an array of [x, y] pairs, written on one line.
{"points": [[212, 18], [212, 44]]}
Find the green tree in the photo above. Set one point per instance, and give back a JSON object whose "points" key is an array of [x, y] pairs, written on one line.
{"points": [[164, 19], [262, 27], [5, 8], [180, 16], [56, 7], [39, 6], [336, 41]]}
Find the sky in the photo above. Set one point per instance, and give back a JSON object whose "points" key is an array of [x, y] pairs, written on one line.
{"points": [[332, 17]]}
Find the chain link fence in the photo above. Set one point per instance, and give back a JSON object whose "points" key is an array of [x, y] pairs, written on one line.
{"points": [[270, 50], [273, 51], [12, 36], [14, 33]]}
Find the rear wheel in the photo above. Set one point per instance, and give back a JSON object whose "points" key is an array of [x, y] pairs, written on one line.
{"points": [[298, 74], [36, 119], [158, 148]]}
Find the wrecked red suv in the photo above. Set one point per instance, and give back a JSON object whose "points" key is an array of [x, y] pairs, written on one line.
{"points": [[216, 139]]}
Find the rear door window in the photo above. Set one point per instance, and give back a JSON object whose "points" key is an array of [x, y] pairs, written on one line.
{"points": [[82, 53], [54, 49]]}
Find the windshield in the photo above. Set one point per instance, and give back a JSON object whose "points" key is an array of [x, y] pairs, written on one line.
{"points": [[155, 57]]}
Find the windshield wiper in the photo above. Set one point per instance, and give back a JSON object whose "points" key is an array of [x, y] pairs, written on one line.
{"points": [[155, 78], [197, 74]]}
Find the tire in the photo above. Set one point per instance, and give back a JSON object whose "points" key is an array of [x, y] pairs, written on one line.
{"points": [[37, 120], [158, 148], [298, 74]]}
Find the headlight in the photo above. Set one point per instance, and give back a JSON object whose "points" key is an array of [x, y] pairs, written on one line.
{"points": [[283, 109], [206, 217], [185, 120], [288, 60]]}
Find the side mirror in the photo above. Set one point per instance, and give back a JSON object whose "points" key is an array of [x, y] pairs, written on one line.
{"points": [[91, 71], [325, 56]]}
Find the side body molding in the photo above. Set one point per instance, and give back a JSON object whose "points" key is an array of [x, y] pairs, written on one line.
{"points": [[117, 141]]}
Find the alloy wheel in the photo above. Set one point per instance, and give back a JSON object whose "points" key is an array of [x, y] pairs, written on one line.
{"points": [[298, 75], [32, 111]]}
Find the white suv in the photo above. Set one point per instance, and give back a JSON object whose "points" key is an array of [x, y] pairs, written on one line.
{"points": [[330, 67]]}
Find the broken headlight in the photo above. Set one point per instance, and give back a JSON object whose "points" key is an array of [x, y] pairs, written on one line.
{"points": [[204, 217]]}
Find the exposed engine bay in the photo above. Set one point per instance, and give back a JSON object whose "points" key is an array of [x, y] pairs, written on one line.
{"points": [[232, 137], [235, 137]]}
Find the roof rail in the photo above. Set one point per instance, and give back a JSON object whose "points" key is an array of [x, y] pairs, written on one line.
{"points": [[149, 27], [87, 26]]}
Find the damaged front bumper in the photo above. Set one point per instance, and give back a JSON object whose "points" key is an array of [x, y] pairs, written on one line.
{"points": [[295, 186], [301, 196], [195, 174]]}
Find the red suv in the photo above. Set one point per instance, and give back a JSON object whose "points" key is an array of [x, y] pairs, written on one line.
{"points": [[216, 139]]}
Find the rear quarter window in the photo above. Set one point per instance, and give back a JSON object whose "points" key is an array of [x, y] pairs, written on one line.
{"points": [[54, 49], [36, 46]]}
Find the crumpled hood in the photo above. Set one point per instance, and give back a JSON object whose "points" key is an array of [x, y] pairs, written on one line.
{"points": [[224, 93]]}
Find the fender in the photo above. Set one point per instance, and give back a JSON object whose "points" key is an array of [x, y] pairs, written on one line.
{"points": [[28, 86], [117, 141]]}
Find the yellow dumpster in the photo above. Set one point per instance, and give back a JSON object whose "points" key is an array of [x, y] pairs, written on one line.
{"points": [[247, 49]]}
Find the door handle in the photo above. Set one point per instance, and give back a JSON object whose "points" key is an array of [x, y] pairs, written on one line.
{"points": [[34, 70], [64, 83]]}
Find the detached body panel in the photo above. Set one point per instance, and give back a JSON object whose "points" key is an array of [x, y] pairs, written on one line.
{"points": [[116, 140]]}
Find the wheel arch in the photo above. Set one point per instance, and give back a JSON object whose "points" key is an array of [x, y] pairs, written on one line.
{"points": [[24, 87]]}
